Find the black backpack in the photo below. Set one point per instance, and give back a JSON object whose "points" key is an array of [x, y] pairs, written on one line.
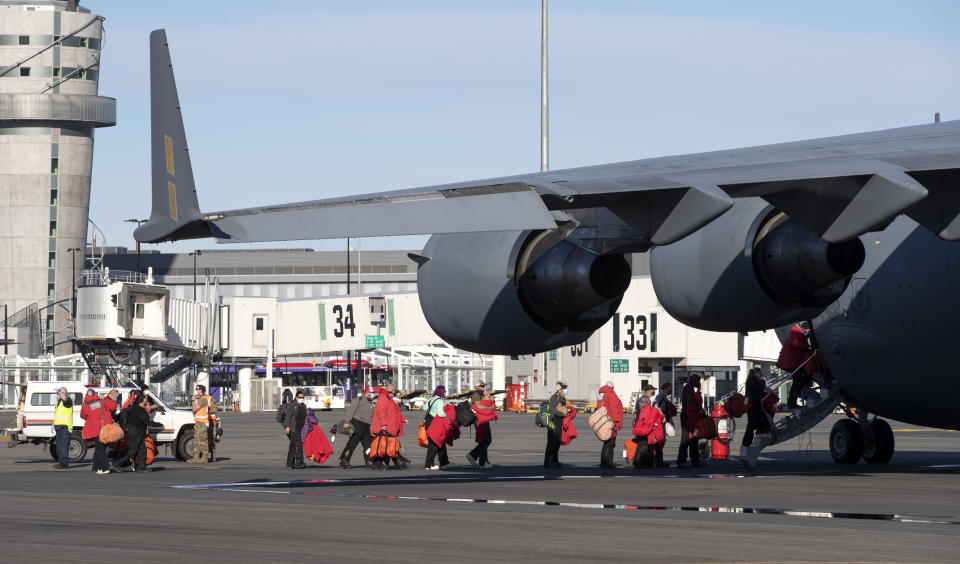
{"points": [[465, 415], [280, 412]]}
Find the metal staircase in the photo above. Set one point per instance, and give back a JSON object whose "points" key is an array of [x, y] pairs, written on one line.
{"points": [[170, 369], [817, 406]]}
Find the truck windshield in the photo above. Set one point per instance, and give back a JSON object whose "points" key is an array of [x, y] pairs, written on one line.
{"points": [[159, 401]]}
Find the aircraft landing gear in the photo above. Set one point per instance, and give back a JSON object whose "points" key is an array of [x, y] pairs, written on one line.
{"points": [[851, 439]]}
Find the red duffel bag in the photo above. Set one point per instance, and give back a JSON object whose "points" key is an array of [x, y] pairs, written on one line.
{"points": [[770, 403], [737, 405], [707, 428]]}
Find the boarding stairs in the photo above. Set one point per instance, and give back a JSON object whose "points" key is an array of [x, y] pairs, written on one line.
{"points": [[106, 374], [817, 405]]}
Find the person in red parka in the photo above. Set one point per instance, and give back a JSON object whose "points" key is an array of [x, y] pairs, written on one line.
{"points": [[795, 351], [388, 418], [691, 411], [614, 407], [569, 430], [96, 413]]}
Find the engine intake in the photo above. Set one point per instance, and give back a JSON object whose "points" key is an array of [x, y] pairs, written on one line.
{"points": [[517, 292], [752, 268]]}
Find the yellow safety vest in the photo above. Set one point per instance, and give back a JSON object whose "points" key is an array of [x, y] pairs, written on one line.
{"points": [[63, 415], [201, 404]]}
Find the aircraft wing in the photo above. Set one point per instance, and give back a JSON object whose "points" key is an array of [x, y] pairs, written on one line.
{"points": [[838, 187]]}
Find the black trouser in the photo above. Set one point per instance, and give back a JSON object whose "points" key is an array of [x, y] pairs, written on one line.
{"points": [[479, 452], [756, 422], [100, 461], [606, 452], [361, 435], [136, 450], [432, 451], [800, 381], [688, 444], [552, 454], [295, 450]]}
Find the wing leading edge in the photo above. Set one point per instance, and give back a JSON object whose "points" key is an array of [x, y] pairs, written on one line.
{"points": [[838, 187]]}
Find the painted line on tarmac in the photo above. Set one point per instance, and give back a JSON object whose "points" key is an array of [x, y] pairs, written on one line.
{"points": [[454, 479], [576, 505]]}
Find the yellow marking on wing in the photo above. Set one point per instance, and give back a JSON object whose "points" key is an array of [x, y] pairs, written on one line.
{"points": [[173, 200], [168, 144]]}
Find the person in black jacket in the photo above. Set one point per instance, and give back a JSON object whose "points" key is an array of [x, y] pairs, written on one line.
{"points": [[294, 417], [137, 421], [756, 418]]}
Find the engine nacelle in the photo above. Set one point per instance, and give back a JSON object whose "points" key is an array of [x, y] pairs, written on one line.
{"points": [[517, 292], [752, 268]]}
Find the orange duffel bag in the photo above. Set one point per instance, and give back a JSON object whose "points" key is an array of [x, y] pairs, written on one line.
{"points": [[111, 433], [422, 438], [384, 446], [737, 405], [630, 448], [151, 449]]}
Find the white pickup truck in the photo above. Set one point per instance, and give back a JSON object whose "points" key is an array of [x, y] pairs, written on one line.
{"points": [[34, 420]]}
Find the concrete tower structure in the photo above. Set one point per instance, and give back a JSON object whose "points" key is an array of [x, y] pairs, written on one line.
{"points": [[49, 108]]}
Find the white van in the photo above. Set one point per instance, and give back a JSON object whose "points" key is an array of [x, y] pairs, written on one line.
{"points": [[34, 422]]}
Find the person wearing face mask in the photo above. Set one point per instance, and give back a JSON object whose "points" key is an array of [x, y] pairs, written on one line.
{"points": [[691, 411], [294, 418], [202, 408], [558, 411]]}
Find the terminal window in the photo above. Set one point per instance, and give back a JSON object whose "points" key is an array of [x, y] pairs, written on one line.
{"points": [[54, 165], [53, 260], [53, 228], [24, 40], [24, 71], [51, 291], [56, 71]]}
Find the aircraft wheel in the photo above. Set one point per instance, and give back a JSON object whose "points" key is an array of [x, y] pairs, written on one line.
{"points": [[878, 448], [846, 442]]}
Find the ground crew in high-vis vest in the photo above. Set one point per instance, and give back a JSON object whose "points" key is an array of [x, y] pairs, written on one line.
{"points": [[202, 408], [63, 426]]}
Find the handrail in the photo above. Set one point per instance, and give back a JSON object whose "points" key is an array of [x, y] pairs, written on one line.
{"points": [[778, 380]]}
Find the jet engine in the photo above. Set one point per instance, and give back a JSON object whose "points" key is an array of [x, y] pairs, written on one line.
{"points": [[517, 292], [752, 268]]}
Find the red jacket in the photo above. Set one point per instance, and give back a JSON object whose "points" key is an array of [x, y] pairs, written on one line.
{"points": [[387, 413], [795, 350], [484, 417], [316, 447], [90, 413], [569, 430], [614, 408], [692, 405], [650, 425], [444, 429]]}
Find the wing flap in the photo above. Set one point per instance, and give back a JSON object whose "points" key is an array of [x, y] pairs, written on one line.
{"points": [[479, 208]]}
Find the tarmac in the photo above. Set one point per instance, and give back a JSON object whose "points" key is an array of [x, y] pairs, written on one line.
{"points": [[247, 507]]}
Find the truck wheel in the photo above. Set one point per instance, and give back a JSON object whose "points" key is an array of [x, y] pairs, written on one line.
{"points": [[185, 444], [78, 449], [879, 450], [846, 442]]}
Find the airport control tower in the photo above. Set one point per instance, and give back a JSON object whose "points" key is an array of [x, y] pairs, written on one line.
{"points": [[49, 109]]}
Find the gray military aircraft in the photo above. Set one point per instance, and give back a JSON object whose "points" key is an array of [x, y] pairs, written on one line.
{"points": [[853, 233]]}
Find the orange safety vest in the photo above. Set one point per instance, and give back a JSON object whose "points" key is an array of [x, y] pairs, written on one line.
{"points": [[201, 405]]}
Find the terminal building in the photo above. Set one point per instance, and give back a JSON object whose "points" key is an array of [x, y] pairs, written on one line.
{"points": [[49, 109], [641, 344]]}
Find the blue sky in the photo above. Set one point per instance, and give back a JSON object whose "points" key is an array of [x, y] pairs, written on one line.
{"points": [[305, 100]]}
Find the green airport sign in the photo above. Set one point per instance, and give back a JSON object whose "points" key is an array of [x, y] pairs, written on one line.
{"points": [[375, 342], [620, 365]]}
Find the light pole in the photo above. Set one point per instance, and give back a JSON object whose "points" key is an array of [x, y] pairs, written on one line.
{"points": [[73, 286], [139, 222], [194, 255]]}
